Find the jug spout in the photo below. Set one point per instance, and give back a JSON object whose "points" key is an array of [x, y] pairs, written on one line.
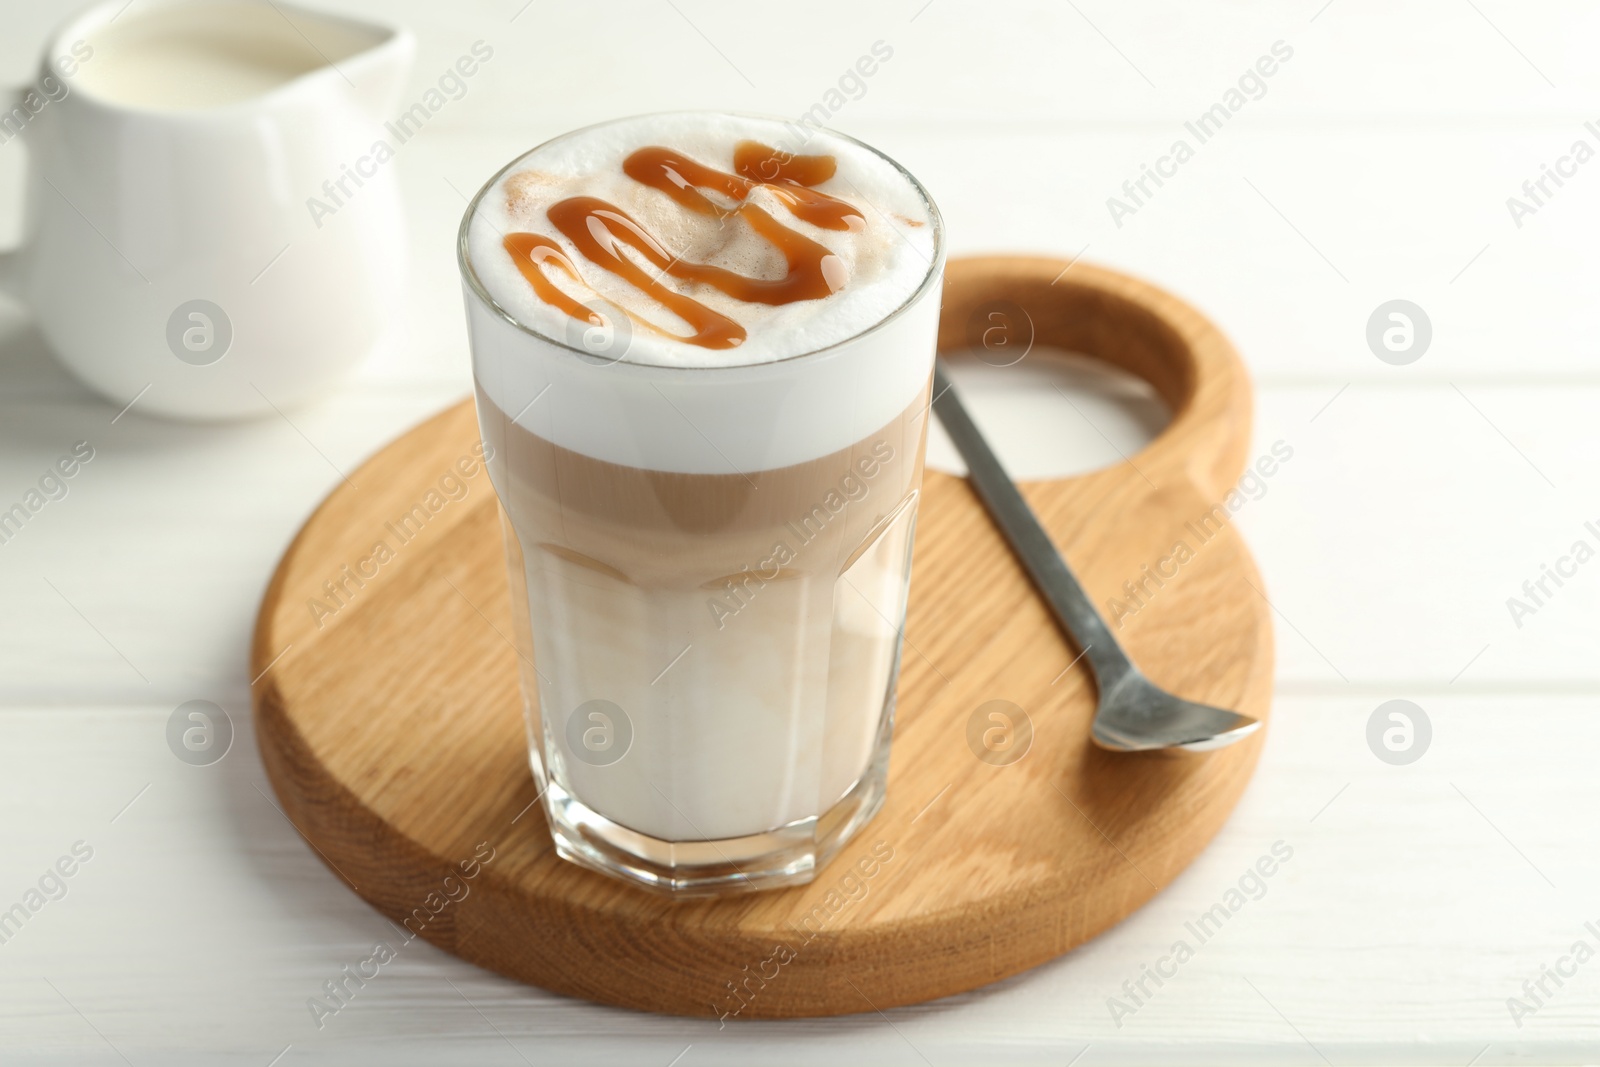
{"points": [[304, 50], [378, 72], [376, 58]]}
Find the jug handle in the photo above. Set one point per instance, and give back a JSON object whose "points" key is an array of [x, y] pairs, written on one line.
{"points": [[11, 258]]}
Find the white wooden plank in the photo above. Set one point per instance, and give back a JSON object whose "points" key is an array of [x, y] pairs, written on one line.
{"points": [[977, 60], [1420, 897], [1393, 538], [1390, 543], [142, 582], [1408, 517], [1290, 238], [1416, 901]]}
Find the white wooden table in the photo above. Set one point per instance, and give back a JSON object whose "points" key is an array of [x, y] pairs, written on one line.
{"points": [[1419, 498]]}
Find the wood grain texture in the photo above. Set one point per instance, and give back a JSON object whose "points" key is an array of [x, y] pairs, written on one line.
{"points": [[392, 732]]}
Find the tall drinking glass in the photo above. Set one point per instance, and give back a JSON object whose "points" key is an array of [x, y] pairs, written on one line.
{"points": [[710, 559]]}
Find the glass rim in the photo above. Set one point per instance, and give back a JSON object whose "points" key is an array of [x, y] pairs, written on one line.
{"points": [[475, 284]]}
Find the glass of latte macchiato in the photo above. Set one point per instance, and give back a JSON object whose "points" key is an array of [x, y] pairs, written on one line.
{"points": [[702, 346]]}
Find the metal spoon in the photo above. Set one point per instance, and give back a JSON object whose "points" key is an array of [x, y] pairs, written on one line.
{"points": [[1133, 714]]}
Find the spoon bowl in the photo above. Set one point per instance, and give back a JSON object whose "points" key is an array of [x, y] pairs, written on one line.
{"points": [[1138, 716]]}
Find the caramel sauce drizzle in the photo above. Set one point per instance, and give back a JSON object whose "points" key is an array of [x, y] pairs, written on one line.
{"points": [[596, 228], [678, 176], [530, 252]]}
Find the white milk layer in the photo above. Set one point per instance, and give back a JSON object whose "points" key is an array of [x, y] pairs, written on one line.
{"points": [[762, 720], [811, 378]]}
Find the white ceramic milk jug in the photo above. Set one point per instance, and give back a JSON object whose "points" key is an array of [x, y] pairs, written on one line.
{"points": [[196, 233]]}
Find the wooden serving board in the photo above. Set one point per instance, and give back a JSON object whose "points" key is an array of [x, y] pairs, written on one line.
{"points": [[389, 720]]}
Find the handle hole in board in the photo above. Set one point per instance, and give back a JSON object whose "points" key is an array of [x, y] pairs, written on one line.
{"points": [[1052, 414]]}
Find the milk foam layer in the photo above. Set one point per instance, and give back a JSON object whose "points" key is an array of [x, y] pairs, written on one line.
{"points": [[881, 266], [668, 406]]}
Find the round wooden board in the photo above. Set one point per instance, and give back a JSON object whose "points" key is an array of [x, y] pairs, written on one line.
{"points": [[390, 723]]}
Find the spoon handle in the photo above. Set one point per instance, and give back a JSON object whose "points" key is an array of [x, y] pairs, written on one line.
{"points": [[1028, 539]]}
